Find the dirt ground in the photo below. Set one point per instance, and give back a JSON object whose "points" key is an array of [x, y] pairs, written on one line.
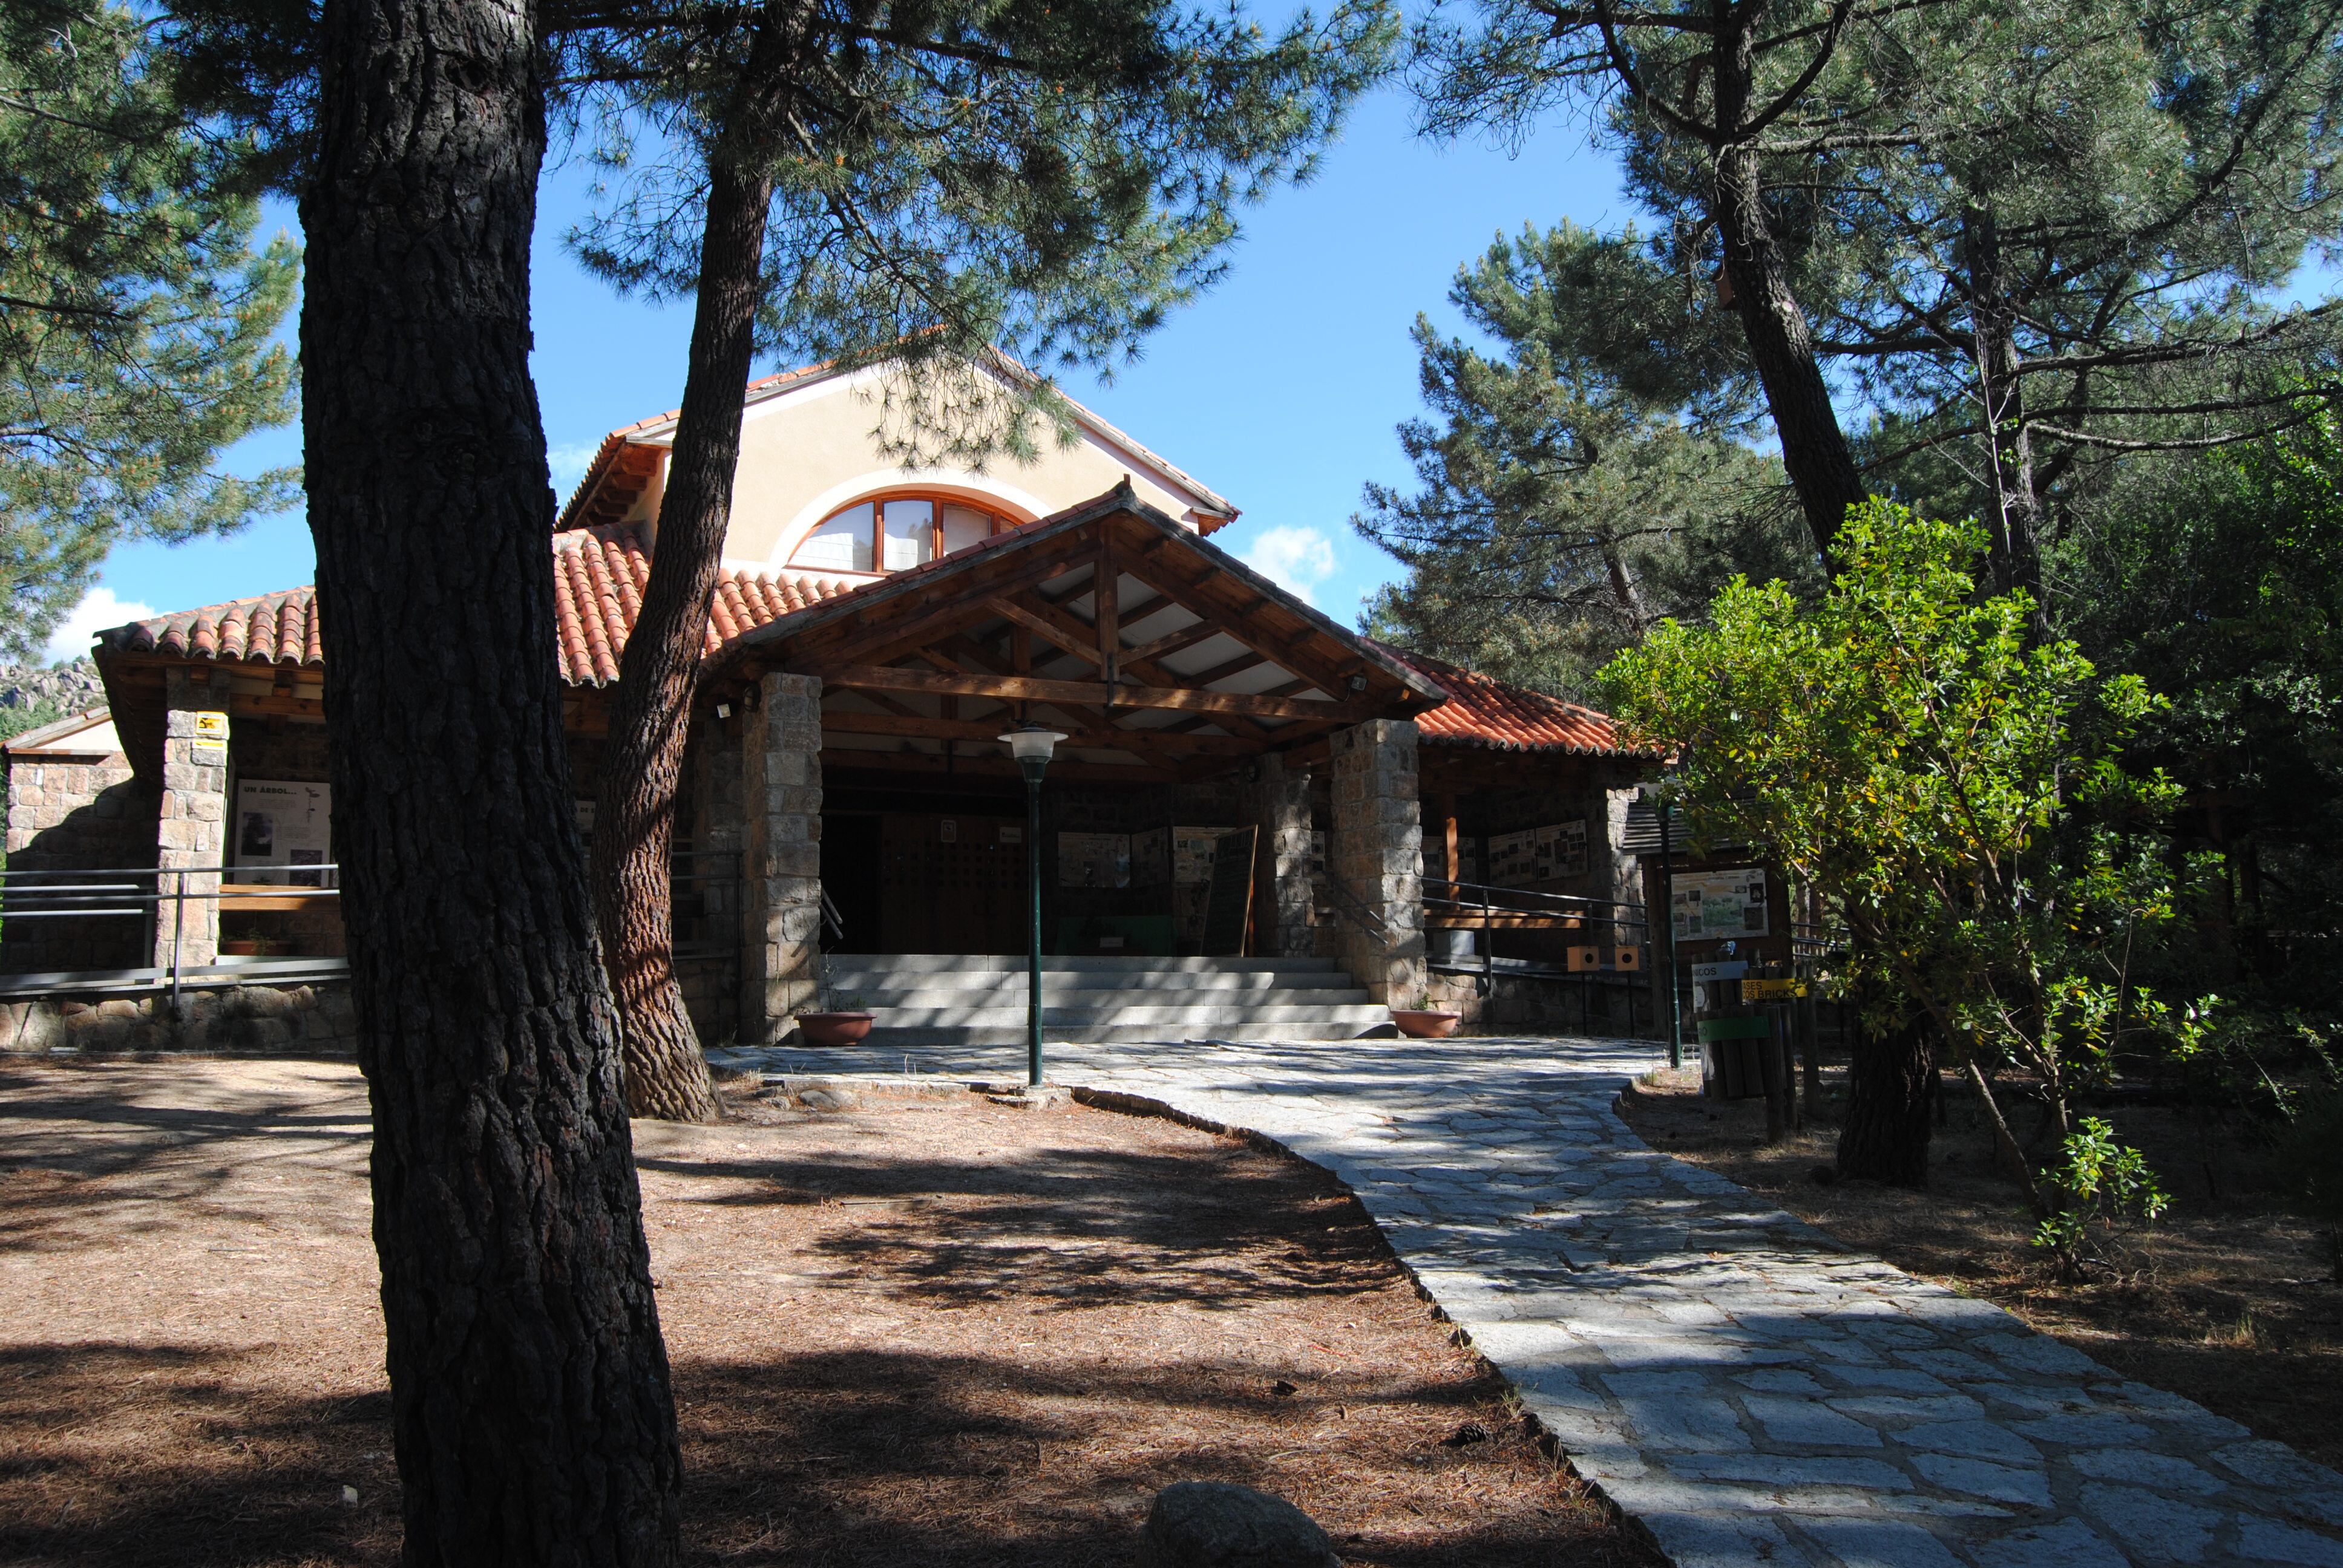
{"points": [[2225, 1300], [904, 1333]]}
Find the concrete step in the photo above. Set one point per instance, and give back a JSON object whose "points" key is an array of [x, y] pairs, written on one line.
{"points": [[999, 963], [950, 998], [874, 983], [880, 998], [881, 1038], [1200, 1018]]}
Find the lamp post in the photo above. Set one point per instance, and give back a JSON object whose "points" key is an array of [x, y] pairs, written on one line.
{"points": [[1658, 794], [1031, 745]]}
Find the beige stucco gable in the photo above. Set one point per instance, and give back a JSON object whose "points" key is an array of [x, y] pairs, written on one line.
{"points": [[808, 448]]}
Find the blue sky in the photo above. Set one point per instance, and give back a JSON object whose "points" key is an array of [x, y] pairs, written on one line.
{"points": [[1281, 389]]}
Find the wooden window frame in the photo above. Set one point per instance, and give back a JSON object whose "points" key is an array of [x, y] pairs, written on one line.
{"points": [[936, 501]]}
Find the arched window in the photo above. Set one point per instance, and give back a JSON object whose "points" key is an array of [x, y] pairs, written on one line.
{"points": [[896, 531]]}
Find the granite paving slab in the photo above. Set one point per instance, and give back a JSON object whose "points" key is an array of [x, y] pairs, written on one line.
{"points": [[1747, 1388]]}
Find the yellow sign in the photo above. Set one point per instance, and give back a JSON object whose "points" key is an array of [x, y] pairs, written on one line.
{"points": [[212, 725], [1771, 989]]}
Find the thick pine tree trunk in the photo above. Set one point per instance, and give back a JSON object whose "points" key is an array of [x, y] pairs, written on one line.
{"points": [[2015, 520], [531, 1413], [1781, 344], [1891, 1089], [635, 817]]}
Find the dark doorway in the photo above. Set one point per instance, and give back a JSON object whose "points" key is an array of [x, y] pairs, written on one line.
{"points": [[952, 884], [849, 875]]}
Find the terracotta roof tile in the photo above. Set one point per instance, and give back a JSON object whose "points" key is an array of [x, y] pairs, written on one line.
{"points": [[1487, 713], [598, 578]]}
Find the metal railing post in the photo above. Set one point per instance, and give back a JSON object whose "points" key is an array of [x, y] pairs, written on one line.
{"points": [[178, 924]]}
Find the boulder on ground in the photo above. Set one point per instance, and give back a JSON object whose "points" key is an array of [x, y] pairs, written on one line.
{"points": [[1211, 1525]]}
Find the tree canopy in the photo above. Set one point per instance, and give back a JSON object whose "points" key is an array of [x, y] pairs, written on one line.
{"points": [[1581, 486], [136, 321]]}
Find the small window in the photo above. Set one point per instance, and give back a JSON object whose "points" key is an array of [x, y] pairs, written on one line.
{"points": [[893, 533], [909, 532], [963, 526], [843, 543]]}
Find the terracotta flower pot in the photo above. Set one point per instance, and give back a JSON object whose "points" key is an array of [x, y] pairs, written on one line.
{"points": [[1425, 1023], [834, 1028]]}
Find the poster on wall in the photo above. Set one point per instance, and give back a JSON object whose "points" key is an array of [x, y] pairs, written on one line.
{"points": [[1150, 858], [1093, 860], [1191, 854], [282, 828], [1708, 905], [1538, 854], [1560, 850]]}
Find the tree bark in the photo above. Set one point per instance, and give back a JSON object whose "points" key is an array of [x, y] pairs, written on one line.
{"points": [[2014, 553], [659, 673], [1891, 1088], [1781, 344], [634, 821], [532, 1417]]}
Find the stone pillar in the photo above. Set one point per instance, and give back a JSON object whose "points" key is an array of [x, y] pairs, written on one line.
{"points": [[1621, 877], [1376, 853], [191, 831], [780, 863], [1281, 809]]}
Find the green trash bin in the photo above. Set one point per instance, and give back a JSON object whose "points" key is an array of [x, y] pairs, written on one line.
{"points": [[1733, 1055]]}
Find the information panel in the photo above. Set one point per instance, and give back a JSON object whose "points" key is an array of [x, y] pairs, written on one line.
{"points": [[281, 828]]}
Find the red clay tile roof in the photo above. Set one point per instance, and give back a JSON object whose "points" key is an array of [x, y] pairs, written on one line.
{"points": [[598, 587], [1487, 713]]}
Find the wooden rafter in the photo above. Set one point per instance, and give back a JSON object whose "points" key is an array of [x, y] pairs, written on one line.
{"points": [[1088, 694]]}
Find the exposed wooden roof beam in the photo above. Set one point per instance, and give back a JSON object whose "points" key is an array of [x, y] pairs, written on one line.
{"points": [[1088, 694]]}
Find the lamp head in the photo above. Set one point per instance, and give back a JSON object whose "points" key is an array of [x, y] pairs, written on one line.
{"points": [[1031, 745]]}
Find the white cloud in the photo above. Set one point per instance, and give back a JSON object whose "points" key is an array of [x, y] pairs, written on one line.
{"points": [[1296, 559], [568, 466], [99, 609]]}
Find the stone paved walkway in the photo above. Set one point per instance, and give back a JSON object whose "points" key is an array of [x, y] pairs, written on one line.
{"points": [[1749, 1390]]}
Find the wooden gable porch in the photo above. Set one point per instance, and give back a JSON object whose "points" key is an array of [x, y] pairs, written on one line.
{"points": [[1190, 665], [1205, 690]]}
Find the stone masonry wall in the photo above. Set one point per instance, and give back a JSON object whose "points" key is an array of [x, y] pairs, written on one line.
{"points": [[1375, 852], [1281, 808], [307, 1019], [780, 949], [191, 836], [77, 815]]}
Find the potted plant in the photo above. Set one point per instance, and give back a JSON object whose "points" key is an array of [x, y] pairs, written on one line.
{"points": [[1424, 1021], [845, 1021]]}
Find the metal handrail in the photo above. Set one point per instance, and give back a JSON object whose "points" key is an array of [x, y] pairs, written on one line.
{"points": [[1492, 900], [1344, 904], [712, 890]]}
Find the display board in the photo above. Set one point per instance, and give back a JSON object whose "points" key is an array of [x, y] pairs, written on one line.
{"points": [[1193, 849], [1707, 906], [1150, 858], [281, 828], [1093, 860], [1533, 855], [1231, 894]]}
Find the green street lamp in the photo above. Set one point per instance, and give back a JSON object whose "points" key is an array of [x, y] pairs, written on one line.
{"points": [[1031, 745], [1658, 794]]}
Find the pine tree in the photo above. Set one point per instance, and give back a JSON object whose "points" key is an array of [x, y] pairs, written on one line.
{"points": [[135, 320], [1581, 489], [925, 188]]}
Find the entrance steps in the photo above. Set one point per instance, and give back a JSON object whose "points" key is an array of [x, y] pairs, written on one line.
{"points": [[951, 999]]}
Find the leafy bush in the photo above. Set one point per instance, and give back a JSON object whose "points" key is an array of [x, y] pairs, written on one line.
{"points": [[2099, 1187]]}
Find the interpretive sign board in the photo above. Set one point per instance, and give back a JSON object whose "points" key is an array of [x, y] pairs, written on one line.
{"points": [[281, 828], [1707, 905]]}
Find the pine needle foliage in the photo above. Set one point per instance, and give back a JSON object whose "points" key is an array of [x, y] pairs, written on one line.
{"points": [[136, 321]]}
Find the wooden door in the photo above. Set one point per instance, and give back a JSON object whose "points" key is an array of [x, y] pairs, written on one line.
{"points": [[951, 884]]}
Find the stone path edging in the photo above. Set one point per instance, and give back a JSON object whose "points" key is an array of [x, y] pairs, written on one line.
{"points": [[1740, 1384]]}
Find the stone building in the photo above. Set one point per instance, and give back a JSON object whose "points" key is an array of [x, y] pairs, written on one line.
{"points": [[851, 818]]}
